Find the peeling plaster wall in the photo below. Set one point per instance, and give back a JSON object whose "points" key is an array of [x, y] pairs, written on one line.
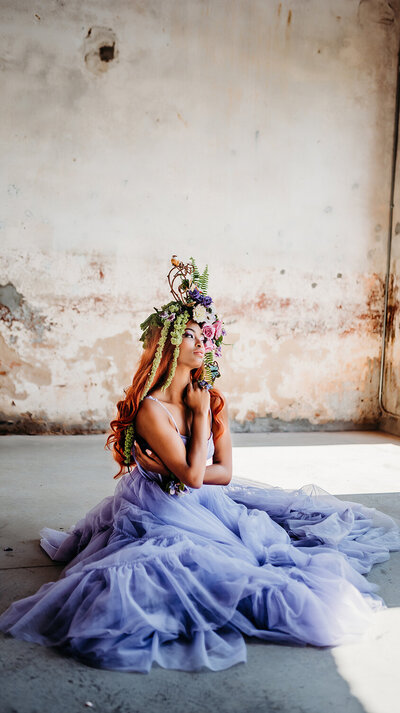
{"points": [[254, 135]]}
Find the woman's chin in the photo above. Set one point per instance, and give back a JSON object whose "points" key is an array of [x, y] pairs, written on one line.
{"points": [[198, 362]]}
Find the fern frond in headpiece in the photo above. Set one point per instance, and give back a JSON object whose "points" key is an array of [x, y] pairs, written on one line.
{"points": [[201, 281]]}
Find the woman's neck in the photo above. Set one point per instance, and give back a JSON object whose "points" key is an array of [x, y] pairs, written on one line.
{"points": [[174, 394]]}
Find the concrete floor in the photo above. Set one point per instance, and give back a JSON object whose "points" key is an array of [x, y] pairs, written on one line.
{"points": [[54, 480]]}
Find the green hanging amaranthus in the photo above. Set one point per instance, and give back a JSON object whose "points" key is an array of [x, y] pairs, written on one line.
{"points": [[129, 436], [157, 358], [176, 339]]}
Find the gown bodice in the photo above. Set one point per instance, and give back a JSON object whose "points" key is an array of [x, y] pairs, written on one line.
{"points": [[158, 477]]}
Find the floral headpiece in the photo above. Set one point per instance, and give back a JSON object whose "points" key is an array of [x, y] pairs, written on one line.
{"points": [[191, 302]]}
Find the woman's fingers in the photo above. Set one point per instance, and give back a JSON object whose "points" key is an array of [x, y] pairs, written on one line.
{"points": [[138, 449], [197, 398]]}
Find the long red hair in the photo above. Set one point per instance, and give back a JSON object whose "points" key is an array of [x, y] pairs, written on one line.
{"points": [[128, 407]]}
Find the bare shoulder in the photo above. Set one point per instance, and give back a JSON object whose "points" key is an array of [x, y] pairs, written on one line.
{"points": [[150, 414]]}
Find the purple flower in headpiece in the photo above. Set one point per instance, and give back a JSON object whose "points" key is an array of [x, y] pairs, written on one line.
{"points": [[194, 294], [204, 384], [218, 352], [198, 297]]}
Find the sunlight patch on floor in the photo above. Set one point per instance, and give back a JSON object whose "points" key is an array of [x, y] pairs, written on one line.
{"points": [[371, 667], [349, 468]]}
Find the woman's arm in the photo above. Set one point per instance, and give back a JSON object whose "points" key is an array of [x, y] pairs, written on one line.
{"points": [[220, 472], [155, 427]]}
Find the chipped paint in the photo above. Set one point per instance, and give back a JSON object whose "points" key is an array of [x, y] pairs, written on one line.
{"points": [[14, 308]]}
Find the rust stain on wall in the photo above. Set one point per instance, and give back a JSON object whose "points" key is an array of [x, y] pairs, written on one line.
{"points": [[292, 315], [393, 308], [375, 295]]}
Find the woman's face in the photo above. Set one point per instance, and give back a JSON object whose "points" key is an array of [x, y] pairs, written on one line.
{"points": [[192, 350]]}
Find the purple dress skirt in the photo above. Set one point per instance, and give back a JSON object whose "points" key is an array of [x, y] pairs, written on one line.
{"points": [[178, 580]]}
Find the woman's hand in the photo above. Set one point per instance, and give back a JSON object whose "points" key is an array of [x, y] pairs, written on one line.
{"points": [[150, 461], [197, 399]]}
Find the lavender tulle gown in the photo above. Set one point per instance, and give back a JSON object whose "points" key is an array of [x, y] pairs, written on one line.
{"points": [[153, 577]]}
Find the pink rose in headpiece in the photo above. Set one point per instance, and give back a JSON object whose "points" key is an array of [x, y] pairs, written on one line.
{"points": [[209, 346], [208, 331], [217, 328]]}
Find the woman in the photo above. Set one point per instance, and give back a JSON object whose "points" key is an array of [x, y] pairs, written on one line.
{"points": [[180, 563]]}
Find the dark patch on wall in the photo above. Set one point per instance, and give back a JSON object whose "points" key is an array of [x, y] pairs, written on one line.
{"points": [[100, 49], [270, 424], [30, 424], [14, 308], [106, 52], [393, 307], [376, 12], [391, 377]]}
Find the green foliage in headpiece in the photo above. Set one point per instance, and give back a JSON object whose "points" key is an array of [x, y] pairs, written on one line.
{"points": [[148, 325], [176, 338], [157, 358], [129, 436], [208, 357], [212, 372], [157, 319], [201, 281]]}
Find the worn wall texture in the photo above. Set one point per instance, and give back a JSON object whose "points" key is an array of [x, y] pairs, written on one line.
{"points": [[255, 135]]}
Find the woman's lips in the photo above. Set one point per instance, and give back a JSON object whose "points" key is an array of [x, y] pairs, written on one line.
{"points": [[198, 351]]}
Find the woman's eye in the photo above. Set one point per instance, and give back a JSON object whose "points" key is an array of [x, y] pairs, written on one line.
{"points": [[188, 334]]}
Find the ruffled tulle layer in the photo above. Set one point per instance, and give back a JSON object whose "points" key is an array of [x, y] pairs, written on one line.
{"points": [[178, 581]]}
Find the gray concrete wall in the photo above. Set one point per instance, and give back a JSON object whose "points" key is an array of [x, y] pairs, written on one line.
{"points": [[256, 136]]}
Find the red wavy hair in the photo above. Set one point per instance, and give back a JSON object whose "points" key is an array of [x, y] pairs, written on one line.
{"points": [[128, 407]]}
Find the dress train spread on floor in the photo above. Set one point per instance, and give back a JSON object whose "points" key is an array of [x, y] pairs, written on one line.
{"points": [[153, 577]]}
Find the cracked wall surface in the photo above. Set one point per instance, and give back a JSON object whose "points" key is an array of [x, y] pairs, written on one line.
{"points": [[256, 136]]}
